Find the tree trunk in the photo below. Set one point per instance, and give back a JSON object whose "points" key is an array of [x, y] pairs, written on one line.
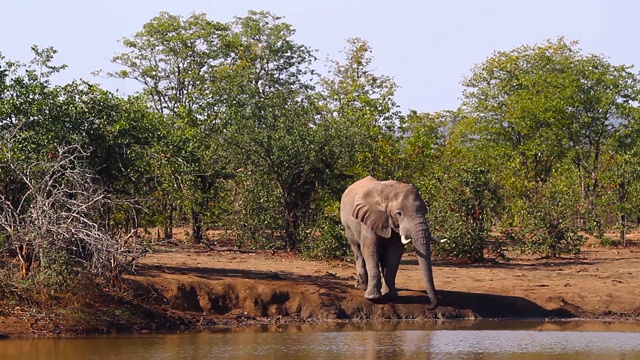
{"points": [[196, 226], [291, 229], [623, 229], [26, 260], [167, 219], [622, 199]]}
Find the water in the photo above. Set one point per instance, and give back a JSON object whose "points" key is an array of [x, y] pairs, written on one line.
{"points": [[397, 340]]}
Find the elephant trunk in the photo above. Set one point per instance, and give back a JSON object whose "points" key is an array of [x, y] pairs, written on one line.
{"points": [[421, 238]]}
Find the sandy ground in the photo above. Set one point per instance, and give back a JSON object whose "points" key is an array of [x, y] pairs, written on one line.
{"points": [[600, 283], [200, 287]]}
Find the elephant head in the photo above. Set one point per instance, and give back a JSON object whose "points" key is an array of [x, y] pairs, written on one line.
{"points": [[395, 206]]}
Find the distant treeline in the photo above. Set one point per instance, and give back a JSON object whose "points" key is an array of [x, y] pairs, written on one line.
{"points": [[234, 130]]}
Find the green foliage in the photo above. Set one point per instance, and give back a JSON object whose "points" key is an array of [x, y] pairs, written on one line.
{"points": [[271, 127], [56, 212], [424, 137], [550, 105], [549, 222], [361, 104], [620, 193], [254, 215], [456, 180], [177, 60], [327, 240], [57, 270], [464, 210], [610, 242]]}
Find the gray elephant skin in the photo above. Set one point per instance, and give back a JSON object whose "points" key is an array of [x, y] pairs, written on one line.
{"points": [[379, 217]]}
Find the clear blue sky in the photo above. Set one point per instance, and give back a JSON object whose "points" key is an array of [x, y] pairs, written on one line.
{"points": [[427, 46]]}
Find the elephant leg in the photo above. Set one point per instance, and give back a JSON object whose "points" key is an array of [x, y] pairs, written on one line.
{"points": [[382, 255], [392, 256], [361, 270], [369, 247]]}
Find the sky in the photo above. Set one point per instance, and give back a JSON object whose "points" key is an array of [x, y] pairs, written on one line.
{"points": [[427, 46]]}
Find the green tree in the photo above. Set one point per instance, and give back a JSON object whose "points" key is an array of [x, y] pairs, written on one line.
{"points": [[56, 213], [176, 61], [539, 107], [456, 181], [518, 99], [39, 117], [548, 223], [603, 100], [362, 104], [279, 142], [622, 174], [423, 137]]}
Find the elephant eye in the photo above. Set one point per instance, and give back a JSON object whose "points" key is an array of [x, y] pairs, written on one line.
{"points": [[398, 213]]}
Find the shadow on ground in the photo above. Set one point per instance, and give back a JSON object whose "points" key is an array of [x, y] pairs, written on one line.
{"points": [[499, 306]]}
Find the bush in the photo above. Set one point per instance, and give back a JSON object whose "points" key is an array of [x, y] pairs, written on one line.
{"points": [[549, 240], [329, 241], [548, 225], [610, 242], [54, 226], [463, 207], [254, 216]]}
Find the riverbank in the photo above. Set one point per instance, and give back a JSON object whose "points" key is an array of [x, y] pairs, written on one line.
{"points": [[192, 287]]}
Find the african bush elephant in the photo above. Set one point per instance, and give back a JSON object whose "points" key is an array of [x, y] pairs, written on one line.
{"points": [[379, 218]]}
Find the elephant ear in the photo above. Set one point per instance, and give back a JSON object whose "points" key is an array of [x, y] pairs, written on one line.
{"points": [[369, 208]]}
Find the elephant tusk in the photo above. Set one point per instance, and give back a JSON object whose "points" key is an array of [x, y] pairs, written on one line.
{"points": [[404, 239]]}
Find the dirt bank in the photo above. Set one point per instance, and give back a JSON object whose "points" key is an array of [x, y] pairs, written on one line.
{"points": [[195, 287], [600, 283]]}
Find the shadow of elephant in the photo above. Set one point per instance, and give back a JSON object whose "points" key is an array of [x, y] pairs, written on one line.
{"points": [[456, 304]]}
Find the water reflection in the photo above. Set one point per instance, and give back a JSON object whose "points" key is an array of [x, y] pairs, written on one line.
{"points": [[363, 341]]}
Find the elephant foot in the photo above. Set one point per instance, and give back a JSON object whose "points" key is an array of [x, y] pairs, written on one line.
{"points": [[373, 294], [387, 291], [361, 286], [390, 293]]}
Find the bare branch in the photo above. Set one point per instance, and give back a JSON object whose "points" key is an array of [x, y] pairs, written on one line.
{"points": [[59, 214]]}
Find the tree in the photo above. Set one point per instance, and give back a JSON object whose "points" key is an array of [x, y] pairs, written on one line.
{"points": [[56, 224], [363, 107], [280, 144], [541, 106], [604, 100], [176, 60], [455, 178], [53, 142], [423, 137], [518, 99], [622, 174], [39, 117]]}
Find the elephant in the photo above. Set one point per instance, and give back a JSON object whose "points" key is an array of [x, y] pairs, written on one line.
{"points": [[379, 218]]}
